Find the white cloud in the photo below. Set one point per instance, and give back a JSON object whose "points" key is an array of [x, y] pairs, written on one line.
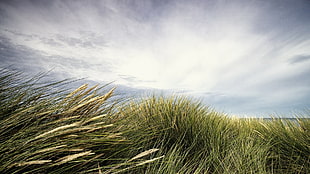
{"points": [[212, 47]]}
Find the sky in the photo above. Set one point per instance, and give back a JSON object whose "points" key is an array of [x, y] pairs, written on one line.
{"points": [[243, 57]]}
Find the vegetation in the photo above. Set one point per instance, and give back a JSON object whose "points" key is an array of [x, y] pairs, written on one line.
{"points": [[45, 128]]}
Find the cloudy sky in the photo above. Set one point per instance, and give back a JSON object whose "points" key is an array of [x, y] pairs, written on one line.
{"points": [[245, 57]]}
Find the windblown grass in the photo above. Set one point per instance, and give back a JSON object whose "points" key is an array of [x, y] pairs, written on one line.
{"points": [[47, 130]]}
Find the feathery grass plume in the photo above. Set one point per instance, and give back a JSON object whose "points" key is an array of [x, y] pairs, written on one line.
{"points": [[81, 88], [95, 118], [72, 157], [33, 162], [91, 103], [49, 149], [137, 165], [99, 170], [149, 161], [142, 154], [58, 129], [116, 169]]}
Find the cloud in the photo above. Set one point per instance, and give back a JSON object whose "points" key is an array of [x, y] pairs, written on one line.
{"points": [[33, 61], [299, 59], [253, 53], [86, 40]]}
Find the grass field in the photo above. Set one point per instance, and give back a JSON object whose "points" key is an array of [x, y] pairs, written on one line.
{"points": [[47, 128]]}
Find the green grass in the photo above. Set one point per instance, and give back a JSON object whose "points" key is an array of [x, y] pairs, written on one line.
{"points": [[46, 128]]}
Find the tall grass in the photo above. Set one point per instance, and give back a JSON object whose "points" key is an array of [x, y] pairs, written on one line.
{"points": [[43, 130], [46, 128], [196, 139]]}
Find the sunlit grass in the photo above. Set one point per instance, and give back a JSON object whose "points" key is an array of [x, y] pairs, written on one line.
{"points": [[46, 128]]}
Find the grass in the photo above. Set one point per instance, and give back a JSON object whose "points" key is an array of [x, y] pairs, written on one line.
{"points": [[46, 128]]}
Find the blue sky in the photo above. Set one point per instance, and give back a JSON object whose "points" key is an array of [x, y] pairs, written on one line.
{"points": [[239, 56]]}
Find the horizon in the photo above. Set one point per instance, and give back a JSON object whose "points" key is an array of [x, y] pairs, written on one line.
{"points": [[245, 58]]}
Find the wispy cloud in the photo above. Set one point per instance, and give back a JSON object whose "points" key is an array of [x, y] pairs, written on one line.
{"points": [[252, 53], [299, 59]]}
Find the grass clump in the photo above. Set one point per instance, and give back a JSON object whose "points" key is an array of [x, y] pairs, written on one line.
{"points": [[45, 128], [195, 139]]}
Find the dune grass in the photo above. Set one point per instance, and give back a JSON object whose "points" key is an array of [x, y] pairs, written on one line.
{"points": [[46, 128]]}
